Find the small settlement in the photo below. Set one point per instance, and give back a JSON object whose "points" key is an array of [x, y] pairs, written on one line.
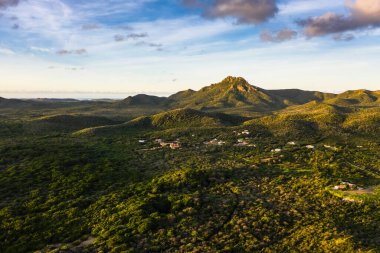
{"points": [[243, 139], [163, 144]]}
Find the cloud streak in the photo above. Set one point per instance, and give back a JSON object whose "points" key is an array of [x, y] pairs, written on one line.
{"points": [[132, 36], [362, 14], [63, 52], [280, 36], [244, 11]]}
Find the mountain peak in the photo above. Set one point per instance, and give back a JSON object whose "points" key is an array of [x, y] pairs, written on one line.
{"points": [[238, 84], [234, 79]]}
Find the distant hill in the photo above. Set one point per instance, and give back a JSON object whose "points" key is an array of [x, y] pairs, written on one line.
{"points": [[13, 103], [144, 100]]}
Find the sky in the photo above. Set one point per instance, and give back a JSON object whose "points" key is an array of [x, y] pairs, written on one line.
{"points": [[102, 47]]}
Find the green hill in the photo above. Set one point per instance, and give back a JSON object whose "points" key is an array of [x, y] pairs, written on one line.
{"points": [[357, 98], [364, 121], [143, 100], [179, 118], [321, 118]]}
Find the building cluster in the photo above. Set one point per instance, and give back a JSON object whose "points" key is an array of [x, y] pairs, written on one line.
{"points": [[164, 144], [245, 132], [346, 186], [171, 144], [243, 141]]}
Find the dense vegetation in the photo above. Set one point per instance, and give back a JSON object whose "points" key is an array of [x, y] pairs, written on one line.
{"points": [[265, 185]]}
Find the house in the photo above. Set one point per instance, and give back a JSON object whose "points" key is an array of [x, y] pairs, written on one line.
{"points": [[340, 187], [245, 132], [142, 141], [241, 144], [171, 144], [215, 142], [310, 147], [175, 145], [221, 143], [344, 186], [212, 142], [292, 143], [277, 150], [349, 185]]}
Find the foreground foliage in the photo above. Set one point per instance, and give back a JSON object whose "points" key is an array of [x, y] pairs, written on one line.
{"points": [[59, 191]]}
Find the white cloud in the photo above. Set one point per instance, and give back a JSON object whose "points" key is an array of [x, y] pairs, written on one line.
{"points": [[6, 51]]}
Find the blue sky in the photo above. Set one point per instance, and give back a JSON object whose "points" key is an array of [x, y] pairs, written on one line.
{"points": [[150, 46]]}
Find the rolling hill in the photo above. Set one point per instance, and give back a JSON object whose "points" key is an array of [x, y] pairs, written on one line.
{"points": [[321, 118], [178, 118], [356, 98], [144, 100]]}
